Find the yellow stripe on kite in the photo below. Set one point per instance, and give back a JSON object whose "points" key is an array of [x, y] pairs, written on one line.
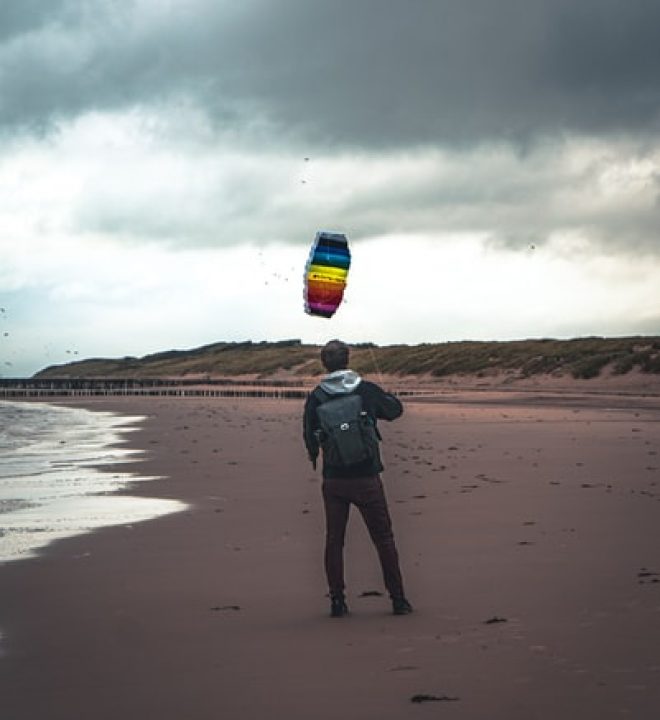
{"points": [[323, 272]]}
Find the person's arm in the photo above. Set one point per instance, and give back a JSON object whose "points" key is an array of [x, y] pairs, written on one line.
{"points": [[309, 428], [386, 405]]}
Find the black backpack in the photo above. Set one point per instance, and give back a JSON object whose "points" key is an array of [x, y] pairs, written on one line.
{"points": [[347, 434]]}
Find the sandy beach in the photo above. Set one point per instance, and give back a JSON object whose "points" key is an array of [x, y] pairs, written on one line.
{"points": [[529, 534]]}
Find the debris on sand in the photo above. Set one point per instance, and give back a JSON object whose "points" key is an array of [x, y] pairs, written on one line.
{"points": [[432, 698], [495, 619], [226, 607]]}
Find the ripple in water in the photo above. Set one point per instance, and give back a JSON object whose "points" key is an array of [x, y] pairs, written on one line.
{"points": [[56, 478]]}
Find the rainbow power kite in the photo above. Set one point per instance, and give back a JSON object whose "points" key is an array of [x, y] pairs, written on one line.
{"points": [[325, 274]]}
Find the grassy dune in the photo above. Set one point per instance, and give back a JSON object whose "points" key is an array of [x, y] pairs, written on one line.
{"points": [[581, 358]]}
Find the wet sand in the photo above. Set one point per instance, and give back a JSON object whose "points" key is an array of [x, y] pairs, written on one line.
{"points": [[529, 535]]}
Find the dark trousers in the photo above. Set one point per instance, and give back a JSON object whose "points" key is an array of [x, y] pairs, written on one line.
{"points": [[367, 494]]}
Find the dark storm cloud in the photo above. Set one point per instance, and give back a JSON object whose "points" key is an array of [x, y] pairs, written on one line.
{"points": [[21, 16], [346, 72]]}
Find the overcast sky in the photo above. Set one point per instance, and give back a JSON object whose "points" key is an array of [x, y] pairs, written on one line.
{"points": [[165, 165]]}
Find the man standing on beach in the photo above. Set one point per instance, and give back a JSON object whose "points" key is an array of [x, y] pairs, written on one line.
{"points": [[358, 484]]}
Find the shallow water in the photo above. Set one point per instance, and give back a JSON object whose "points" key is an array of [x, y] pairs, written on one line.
{"points": [[51, 482]]}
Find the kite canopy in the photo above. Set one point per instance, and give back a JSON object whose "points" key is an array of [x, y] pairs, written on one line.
{"points": [[325, 274]]}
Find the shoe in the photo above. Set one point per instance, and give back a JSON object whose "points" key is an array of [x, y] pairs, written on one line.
{"points": [[338, 606], [400, 606]]}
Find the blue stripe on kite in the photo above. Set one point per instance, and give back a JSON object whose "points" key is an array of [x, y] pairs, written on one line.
{"points": [[333, 244], [333, 263], [332, 239], [331, 257], [339, 247], [322, 257]]}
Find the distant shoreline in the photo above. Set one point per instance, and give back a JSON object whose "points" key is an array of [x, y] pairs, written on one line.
{"points": [[413, 387]]}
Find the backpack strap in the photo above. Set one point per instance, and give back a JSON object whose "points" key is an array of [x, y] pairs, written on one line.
{"points": [[321, 395]]}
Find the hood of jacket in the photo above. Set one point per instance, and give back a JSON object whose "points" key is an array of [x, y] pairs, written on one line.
{"points": [[340, 382]]}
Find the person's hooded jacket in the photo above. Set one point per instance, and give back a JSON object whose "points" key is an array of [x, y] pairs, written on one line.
{"points": [[377, 403]]}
